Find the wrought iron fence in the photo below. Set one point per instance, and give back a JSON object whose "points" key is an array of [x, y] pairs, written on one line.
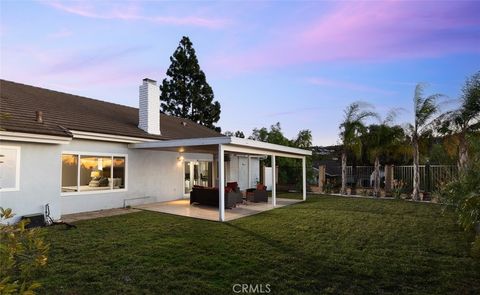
{"points": [[362, 176], [431, 176]]}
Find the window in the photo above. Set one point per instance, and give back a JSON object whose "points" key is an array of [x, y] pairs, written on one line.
{"points": [[9, 168], [118, 172], [69, 173], [87, 173]]}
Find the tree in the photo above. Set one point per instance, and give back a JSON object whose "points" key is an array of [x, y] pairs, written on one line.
{"points": [[185, 91], [304, 139], [351, 128], [424, 109], [237, 133], [275, 135], [464, 120], [290, 168], [383, 139]]}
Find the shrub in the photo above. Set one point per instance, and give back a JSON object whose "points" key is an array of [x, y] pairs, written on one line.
{"points": [[398, 188], [463, 193], [22, 253]]}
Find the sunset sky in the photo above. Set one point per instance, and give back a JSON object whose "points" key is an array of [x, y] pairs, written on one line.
{"points": [[297, 63]]}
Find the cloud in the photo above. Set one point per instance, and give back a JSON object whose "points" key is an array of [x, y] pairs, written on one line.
{"points": [[366, 31], [86, 60], [108, 67], [130, 11]]}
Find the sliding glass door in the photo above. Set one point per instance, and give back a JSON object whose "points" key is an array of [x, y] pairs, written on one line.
{"points": [[196, 173]]}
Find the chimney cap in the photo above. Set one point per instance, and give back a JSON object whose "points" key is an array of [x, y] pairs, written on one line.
{"points": [[148, 80]]}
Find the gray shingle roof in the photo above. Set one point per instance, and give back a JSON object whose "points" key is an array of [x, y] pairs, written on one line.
{"points": [[63, 112]]}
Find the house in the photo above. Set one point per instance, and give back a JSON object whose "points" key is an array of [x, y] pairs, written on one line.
{"points": [[80, 154]]}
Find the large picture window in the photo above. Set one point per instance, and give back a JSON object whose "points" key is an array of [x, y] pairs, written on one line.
{"points": [[86, 173], [9, 168]]}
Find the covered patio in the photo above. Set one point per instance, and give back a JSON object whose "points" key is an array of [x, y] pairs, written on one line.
{"points": [[218, 147]]}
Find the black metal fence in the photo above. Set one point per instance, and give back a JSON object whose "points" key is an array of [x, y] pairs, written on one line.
{"points": [[431, 176]]}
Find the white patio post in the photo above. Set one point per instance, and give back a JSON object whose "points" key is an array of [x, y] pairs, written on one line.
{"points": [[274, 181], [304, 179], [221, 183], [249, 182]]}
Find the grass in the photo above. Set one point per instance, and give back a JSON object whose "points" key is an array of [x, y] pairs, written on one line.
{"points": [[327, 245]]}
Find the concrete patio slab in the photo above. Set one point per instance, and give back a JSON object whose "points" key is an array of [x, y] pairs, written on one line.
{"points": [[96, 214], [183, 208]]}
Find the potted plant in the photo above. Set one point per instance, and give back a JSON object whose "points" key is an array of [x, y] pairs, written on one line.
{"points": [[398, 188], [383, 193]]}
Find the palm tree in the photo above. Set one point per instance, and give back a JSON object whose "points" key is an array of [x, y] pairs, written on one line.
{"points": [[464, 120], [382, 140], [350, 130], [424, 109]]}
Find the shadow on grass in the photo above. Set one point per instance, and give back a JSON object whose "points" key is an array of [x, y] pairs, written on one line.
{"points": [[317, 274]]}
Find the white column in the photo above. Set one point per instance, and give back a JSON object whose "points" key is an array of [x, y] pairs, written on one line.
{"points": [[304, 179], [221, 183], [249, 182], [274, 181]]}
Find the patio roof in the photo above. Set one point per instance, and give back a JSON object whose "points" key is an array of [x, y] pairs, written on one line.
{"points": [[233, 144]]}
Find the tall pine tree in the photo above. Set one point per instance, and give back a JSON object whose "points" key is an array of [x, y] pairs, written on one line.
{"points": [[185, 91]]}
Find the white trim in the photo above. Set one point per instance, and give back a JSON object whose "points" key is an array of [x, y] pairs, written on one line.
{"points": [[31, 137], [181, 142], [230, 144], [109, 137], [268, 146], [112, 191], [254, 151], [18, 150], [90, 154]]}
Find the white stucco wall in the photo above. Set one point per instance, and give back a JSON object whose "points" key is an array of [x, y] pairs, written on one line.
{"points": [[237, 170], [154, 174], [40, 167]]}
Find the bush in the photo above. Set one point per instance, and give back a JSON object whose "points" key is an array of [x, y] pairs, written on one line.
{"points": [[463, 195], [398, 188], [22, 253]]}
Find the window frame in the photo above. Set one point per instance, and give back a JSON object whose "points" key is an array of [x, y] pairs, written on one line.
{"points": [[94, 154], [17, 168]]}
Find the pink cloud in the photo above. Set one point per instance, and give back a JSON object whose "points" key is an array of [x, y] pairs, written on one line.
{"points": [[130, 11], [70, 71], [365, 31]]}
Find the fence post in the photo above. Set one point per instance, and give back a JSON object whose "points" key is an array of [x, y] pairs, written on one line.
{"points": [[428, 182], [321, 178], [389, 178]]}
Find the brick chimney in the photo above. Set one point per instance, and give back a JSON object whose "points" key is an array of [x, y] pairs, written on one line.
{"points": [[149, 107]]}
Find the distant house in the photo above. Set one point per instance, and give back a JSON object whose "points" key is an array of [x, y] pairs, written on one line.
{"points": [[80, 154]]}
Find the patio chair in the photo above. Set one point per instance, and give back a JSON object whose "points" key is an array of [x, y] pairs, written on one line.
{"points": [[257, 195]]}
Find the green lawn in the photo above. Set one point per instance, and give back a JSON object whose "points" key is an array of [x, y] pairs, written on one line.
{"points": [[326, 245]]}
